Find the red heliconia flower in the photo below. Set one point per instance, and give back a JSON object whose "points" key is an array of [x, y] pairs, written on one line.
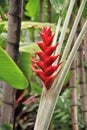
{"points": [[43, 67]]}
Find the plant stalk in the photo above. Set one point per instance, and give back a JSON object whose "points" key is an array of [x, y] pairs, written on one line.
{"points": [[57, 31], [73, 31], [41, 10], [49, 11], [61, 39], [73, 96], [65, 25], [73, 92], [82, 83]]}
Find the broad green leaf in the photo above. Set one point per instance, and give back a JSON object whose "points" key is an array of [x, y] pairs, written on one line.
{"points": [[28, 24], [10, 73], [40, 25], [6, 127], [29, 48], [24, 64], [32, 9]]}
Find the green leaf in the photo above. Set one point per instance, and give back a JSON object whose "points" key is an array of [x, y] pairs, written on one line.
{"points": [[64, 118], [59, 5], [85, 11], [29, 48], [40, 25], [59, 115], [3, 41], [35, 88], [85, 64], [1, 27], [24, 64], [10, 73], [6, 127], [32, 9], [67, 77], [28, 24]]}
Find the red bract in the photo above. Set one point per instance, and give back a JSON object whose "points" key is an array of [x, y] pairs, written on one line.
{"points": [[40, 64], [43, 67], [46, 39]]}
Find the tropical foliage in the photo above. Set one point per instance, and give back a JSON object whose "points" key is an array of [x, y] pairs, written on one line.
{"points": [[20, 75]]}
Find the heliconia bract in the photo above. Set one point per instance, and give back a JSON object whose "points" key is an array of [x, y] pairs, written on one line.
{"points": [[43, 67]]}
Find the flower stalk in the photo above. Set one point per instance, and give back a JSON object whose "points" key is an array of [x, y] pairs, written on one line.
{"points": [[50, 97]]}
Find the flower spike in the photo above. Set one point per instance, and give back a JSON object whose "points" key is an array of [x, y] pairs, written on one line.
{"points": [[43, 67]]}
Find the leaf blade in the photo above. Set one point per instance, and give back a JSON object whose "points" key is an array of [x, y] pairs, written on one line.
{"points": [[10, 73]]}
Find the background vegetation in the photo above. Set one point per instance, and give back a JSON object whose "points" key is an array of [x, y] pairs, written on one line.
{"points": [[36, 15]]}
